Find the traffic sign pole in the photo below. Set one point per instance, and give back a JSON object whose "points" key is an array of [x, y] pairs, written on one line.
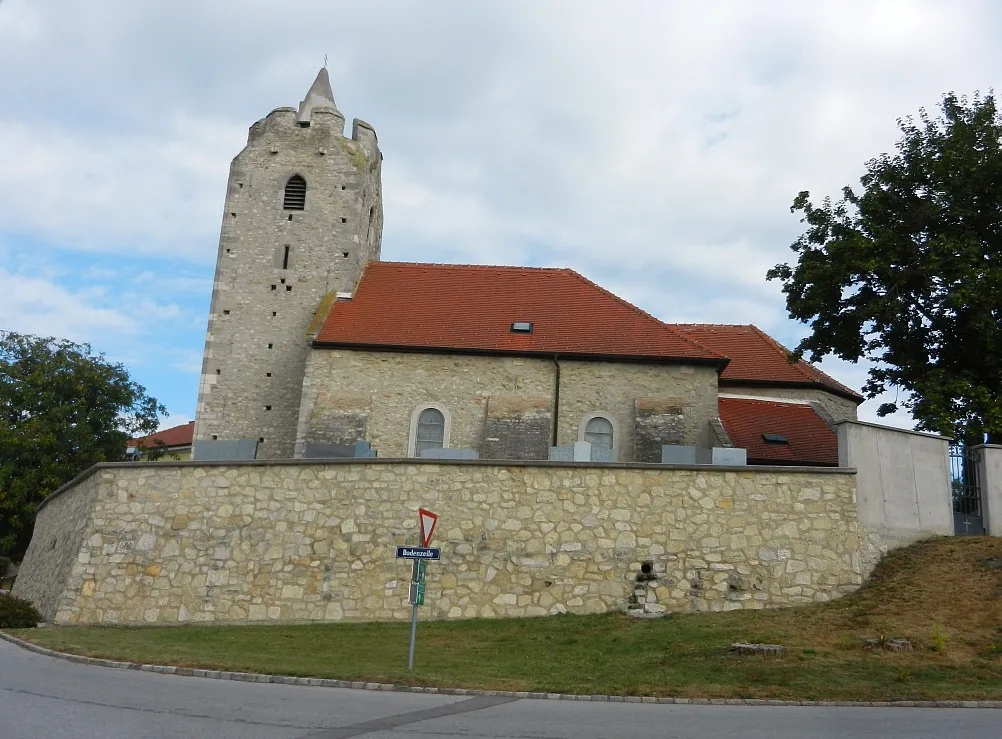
{"points": [[418, 557], [416, 567]]}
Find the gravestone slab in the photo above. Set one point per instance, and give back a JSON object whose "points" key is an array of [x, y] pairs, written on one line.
{"points": [[678, 454], [223, 450], [729, 457], [362, 449], [561, 454], [323, 450], [449, 454]]}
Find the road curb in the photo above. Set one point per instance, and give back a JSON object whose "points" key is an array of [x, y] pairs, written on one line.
{"points": [[316, 682]]}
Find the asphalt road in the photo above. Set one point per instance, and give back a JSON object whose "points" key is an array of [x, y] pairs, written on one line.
{"points": [[42, 697]]}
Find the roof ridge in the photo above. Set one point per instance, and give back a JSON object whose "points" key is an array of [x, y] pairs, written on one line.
{"points": [[470, 266], [667, 327], [711, 325]]}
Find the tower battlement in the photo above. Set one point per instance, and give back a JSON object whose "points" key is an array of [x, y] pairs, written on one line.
{"points": [[303, 215]]}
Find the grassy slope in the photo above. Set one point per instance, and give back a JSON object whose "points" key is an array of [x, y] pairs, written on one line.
{"points": [[954, 584]]}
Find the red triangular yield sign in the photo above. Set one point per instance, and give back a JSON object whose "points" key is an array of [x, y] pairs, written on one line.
{"points": [[428, 521]]}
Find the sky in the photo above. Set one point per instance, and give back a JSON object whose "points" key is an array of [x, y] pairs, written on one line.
{"points": [[655, 147]]}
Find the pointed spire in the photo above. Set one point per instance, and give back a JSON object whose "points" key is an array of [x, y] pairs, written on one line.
{"points": [[320, 95]]}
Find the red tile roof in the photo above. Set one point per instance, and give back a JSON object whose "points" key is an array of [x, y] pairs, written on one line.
{"points": [[811, 442], [174, 436], [472, 308], [758, 358]]}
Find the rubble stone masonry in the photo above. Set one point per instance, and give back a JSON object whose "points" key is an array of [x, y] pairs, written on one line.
{"points": [[498, 404], [299, 541]]}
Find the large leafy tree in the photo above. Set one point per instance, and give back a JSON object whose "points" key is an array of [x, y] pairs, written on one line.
{"points": [[907, 273], [62, 409]]}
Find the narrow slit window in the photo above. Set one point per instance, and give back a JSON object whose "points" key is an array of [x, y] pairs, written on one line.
{"points": [[295, 194], [285, 258]]}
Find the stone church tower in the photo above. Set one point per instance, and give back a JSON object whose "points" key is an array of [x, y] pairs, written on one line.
{"points": [[303, 214]]}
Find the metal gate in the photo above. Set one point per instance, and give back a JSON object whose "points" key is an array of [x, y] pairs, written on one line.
{"points": [[965, 487]]}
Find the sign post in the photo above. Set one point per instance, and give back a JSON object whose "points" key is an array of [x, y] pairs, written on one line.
{"points": [[419, 556]]}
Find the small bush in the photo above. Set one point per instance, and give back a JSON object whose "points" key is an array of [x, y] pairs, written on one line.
{"points": [[939, 639], [17, 613]]}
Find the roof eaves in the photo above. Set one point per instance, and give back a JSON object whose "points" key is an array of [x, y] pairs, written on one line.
{"points": [[410, 349], [805, 385]]}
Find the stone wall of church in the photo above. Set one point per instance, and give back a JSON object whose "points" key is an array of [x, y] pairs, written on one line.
{"points": [[294, 541], [501, 406], [688, 393], [839, 408], [381, 392]]}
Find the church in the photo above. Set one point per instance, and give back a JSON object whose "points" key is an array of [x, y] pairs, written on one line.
{"points": [[317, 348]]}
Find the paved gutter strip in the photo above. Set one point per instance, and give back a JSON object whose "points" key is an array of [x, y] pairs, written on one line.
{"points": [[316, 682]]}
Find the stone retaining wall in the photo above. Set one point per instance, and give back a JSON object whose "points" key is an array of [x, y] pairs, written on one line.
{"points": [[306, 541]]}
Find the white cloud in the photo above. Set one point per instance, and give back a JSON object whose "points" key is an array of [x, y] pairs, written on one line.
{"points": [[653, 146], [37, 306], [109, 191]]}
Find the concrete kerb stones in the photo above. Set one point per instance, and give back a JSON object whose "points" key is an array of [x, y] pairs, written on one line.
{"points": [[314, 682]]}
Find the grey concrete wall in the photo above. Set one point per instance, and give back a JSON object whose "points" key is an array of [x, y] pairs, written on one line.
{"points": [[990, 472], [262, 309], [902, 481]]}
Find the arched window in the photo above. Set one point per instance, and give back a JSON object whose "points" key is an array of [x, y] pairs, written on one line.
{"points": [[599, 432], [295, 193], [430, 428]]}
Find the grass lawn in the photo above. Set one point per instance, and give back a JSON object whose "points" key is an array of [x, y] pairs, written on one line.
{"points": [[950, 587]]}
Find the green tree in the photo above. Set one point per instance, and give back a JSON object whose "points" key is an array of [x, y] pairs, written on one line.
{"points": [[62, 409], [908, 272]]}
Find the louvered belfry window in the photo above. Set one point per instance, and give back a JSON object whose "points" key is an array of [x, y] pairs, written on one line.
{"points": [[295, 193]]}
